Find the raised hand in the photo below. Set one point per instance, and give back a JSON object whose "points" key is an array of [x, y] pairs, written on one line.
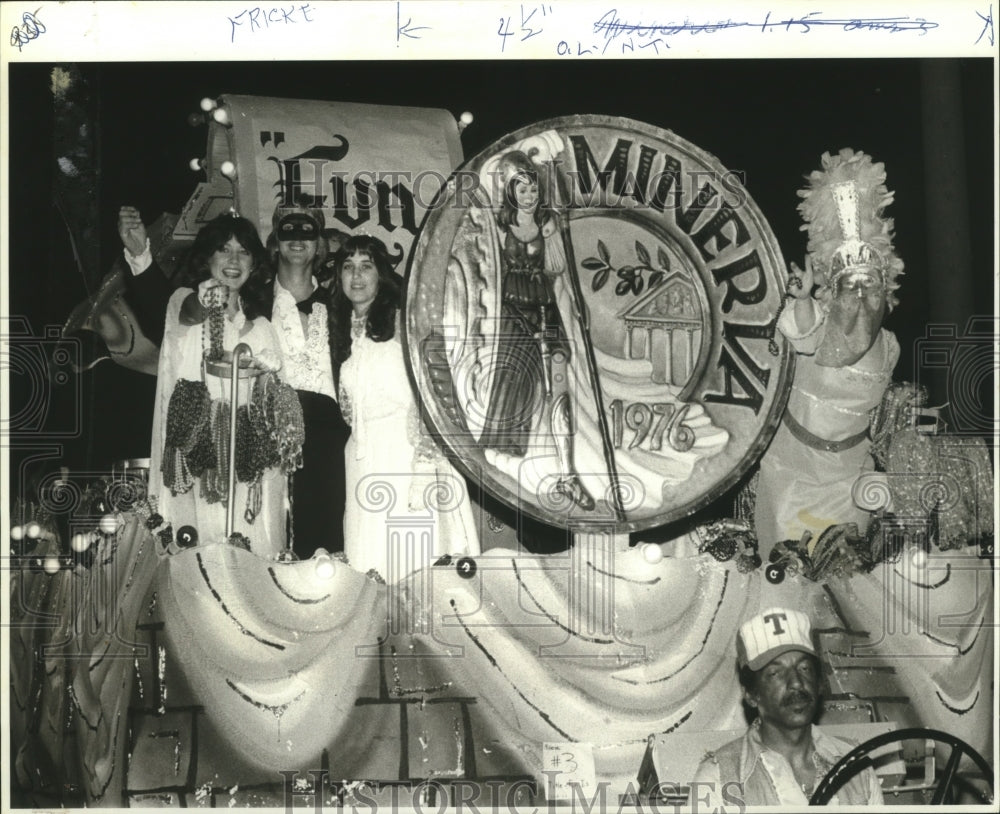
{"points": [[131, 230], [801, 281]]}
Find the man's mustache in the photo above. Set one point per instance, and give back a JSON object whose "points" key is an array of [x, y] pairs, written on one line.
{"points": [[797, 697]]}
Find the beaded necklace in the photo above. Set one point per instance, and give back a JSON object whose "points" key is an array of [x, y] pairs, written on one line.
{"points": [[358, 325], [214, 326]]}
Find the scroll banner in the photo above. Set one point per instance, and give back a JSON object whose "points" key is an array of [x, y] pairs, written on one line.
{"points": [[371, 168]]}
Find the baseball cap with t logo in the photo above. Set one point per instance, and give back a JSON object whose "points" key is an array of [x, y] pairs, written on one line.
{"points": [[771, 633]]}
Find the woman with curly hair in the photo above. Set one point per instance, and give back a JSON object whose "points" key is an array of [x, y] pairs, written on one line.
{"points": [[393, 467]]}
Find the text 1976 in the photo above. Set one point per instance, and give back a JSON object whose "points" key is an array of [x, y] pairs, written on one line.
{"points": [[650, 422]]}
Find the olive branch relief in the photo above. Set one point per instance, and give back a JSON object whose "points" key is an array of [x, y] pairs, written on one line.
{"points": [[631, 278]]}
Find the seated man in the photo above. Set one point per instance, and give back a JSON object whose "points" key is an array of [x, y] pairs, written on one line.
{"points": [[783, 756]]}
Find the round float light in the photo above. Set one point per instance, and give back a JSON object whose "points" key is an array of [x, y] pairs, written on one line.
{"points": [[17, 532], [918, 557], [652, 553], [187, 536], [221, 115], [197, 164], [208, 104], [228, 168], [80, 542], [32, 531], [108, 524], [324, 564], [52, 565]]}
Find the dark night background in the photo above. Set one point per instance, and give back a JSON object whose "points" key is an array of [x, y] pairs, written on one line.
{"points": [[770, 119]]}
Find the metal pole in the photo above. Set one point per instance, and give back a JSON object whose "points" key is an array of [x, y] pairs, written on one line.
{"points": [[562, 216], [234, 394]]}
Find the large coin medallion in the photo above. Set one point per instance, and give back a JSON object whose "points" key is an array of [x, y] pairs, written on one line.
{"points": [[590, 321]]}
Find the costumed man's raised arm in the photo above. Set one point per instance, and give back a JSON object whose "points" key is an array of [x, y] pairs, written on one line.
{"points": [[147, 288]]}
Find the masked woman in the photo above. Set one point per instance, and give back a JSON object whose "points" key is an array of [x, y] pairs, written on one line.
{"points": [[395, 473], [217, 307]]}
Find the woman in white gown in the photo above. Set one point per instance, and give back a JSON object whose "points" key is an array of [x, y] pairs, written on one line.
{"points": [[188, 466], [406, 504]]}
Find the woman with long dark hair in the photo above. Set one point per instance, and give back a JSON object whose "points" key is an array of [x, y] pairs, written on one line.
{"points": [[217, 307], [394, 469]]}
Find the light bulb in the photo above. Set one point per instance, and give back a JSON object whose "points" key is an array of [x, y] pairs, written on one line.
{"points": [[228, 168], [324, 566], [221, 115], [652, 553], [108, 524], [80, 543], [207, 104]]}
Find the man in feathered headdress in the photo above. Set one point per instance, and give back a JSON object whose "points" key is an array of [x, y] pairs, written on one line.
{"points": [[844, 359]]}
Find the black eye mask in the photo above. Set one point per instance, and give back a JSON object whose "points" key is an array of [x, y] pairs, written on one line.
{"points": [[297, 227]]}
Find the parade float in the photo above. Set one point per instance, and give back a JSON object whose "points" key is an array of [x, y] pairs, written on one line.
{"points": [[150, 667]]}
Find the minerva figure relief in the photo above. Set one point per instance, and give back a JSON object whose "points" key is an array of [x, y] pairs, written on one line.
{"points": [[585, 422]]}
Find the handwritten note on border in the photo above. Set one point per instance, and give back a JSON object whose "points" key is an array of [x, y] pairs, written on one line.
{"points": [[569, 766]]}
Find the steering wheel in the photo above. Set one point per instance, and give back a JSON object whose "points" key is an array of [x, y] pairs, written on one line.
{"points": [[859, 758]]}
